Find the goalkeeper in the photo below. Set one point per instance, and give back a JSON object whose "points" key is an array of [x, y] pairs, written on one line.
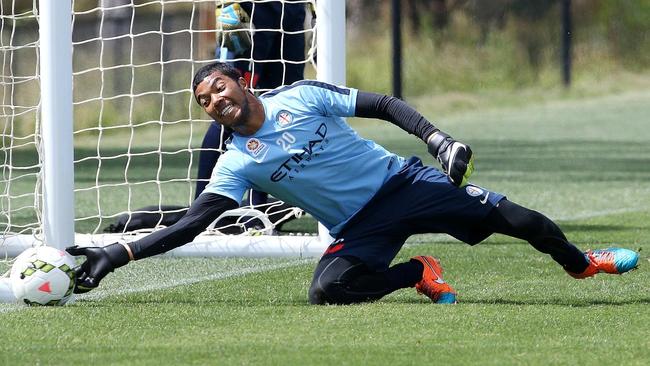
{"points": [[294, 143]]}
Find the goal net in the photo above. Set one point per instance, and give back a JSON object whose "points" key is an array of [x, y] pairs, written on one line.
{"points": [[137, 132]]}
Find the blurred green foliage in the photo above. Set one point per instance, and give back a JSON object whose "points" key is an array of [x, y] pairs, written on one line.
{"points": [[495, 45], [628, 30]]}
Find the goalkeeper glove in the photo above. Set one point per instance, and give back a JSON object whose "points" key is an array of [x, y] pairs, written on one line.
{"points": [[233, 26], [99, 262], [455, 157]]}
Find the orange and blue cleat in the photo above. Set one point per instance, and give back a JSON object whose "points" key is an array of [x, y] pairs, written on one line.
{"points": [[609, 260], [432, 285]]}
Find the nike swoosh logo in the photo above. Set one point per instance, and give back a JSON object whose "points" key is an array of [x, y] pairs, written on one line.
{"points": [[439, 280], [484, 200], [454, 151]]}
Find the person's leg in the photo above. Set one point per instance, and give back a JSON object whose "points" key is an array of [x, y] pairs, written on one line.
{"points": [[274, 48], [212, 146], [543, 234], [294, 50], [257, 198], [266, 45], [413, 201], [271, 73], [347, 280]]}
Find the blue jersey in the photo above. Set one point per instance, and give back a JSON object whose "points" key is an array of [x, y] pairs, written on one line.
{"points": [[307, 155]]}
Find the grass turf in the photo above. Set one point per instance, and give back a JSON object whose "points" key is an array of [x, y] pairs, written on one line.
{"points": [[584, 163]]}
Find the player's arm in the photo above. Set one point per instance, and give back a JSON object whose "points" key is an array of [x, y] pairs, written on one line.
{"points": [[102, 260], [455, 157]]}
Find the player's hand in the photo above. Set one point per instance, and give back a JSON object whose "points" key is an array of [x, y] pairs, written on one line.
{"points": [[233, 29], [455, 157], [100, 261]]}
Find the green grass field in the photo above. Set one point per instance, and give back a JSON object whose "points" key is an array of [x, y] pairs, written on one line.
{"points": [[584, 162]]}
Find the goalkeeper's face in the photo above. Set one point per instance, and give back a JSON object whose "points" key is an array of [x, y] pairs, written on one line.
{"points": [[224, 99]]}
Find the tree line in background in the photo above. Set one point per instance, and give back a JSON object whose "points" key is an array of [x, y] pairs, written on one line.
{"points": [[461, 45], [622, 25]]}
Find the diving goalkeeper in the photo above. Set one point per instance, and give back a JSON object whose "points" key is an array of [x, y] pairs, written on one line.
{"points": [[294, 143]]}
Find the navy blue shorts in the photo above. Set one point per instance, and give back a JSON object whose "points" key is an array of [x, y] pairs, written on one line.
{"points": [[418, 199]]}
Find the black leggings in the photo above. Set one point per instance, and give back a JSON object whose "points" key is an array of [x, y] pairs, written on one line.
{"points": [[347, 280], [543, 234]]}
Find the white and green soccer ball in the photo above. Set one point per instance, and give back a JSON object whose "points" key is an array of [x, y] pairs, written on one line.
{"points": [[43, 276]]}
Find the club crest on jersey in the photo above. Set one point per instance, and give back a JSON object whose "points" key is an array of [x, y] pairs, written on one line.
{"points": [[473, 191], [255, 146], [284, 118]]}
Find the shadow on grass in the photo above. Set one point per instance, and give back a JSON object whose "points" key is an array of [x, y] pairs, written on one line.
{"points": [[251, 303], [558, 302]]}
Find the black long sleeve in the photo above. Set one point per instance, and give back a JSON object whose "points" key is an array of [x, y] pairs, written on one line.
{"points": [[394, 110], [205, 209]]}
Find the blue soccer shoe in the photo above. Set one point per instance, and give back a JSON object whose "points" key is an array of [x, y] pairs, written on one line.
{"points": [[609, 260]]}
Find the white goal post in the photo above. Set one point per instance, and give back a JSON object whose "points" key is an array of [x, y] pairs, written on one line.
{"points": [[74, 74]]}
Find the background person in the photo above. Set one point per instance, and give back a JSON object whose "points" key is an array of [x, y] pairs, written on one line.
{"points": [[272, 57]]}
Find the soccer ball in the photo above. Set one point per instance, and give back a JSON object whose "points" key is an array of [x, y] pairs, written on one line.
{"points": [[43, 276]]}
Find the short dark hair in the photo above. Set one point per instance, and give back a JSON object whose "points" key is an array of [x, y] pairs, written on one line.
{"points": [[207, 70]]}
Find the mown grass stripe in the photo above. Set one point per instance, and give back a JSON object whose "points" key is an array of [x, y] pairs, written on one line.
{"points": [[102, 294]]}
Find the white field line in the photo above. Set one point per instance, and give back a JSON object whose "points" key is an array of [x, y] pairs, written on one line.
{"points": [[7, 308], [102, 294]]}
